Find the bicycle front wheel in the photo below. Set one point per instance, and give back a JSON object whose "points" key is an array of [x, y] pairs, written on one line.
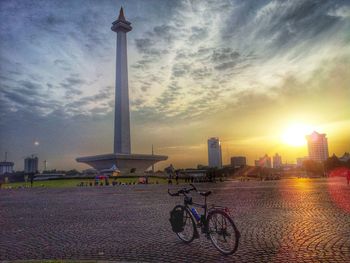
{"points": [[222, 232], [188, 233]]}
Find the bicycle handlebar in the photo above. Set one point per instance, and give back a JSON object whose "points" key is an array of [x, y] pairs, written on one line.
{"points": [[183, 191], [193, 187], [175, 194]]}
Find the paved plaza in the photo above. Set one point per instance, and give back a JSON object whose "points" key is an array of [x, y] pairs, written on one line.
{"points": [[291, 220]]}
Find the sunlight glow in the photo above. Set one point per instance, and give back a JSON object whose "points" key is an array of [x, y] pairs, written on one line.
{"points": [[294, 135]]}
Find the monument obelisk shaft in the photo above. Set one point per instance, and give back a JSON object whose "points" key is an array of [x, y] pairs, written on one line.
{"points": [[122, 114], [121, 158]]}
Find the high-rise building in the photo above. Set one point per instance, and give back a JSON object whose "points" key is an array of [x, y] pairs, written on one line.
{"points": [[301, 160], [31, 164], [318, 146], [264, 161], [238, 161], [6, 167], [277, 161], [214, 152]]}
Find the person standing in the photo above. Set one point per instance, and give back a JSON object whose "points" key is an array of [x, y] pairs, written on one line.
{"points": [[31, 178], [170, 171], [177, 176]]}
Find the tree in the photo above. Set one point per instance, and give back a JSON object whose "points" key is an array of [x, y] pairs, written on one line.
{"points": [[313, 167], [331, 163]]}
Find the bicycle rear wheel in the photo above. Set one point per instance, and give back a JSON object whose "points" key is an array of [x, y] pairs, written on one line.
{"points": [[222, 232], [189, 228]]}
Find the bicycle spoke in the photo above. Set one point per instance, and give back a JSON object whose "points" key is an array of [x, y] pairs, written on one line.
{"points": [[187, 235], [222, 233]]}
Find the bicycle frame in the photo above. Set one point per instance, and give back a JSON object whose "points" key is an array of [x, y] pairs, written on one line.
{"points": [[203, 222]]}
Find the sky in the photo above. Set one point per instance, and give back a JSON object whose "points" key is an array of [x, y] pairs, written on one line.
{"points": [[253, 73]]}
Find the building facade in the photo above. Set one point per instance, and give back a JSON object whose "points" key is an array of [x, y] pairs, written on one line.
{"points": [[214, 152], [6, 167], [31, 164], [345, 157], [301, 160], [317, 146], [277, 161], [238, 161], [264, 161]]}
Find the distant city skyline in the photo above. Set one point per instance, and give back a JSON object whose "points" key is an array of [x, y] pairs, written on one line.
{"points": [[253, 73], [263, 161]]}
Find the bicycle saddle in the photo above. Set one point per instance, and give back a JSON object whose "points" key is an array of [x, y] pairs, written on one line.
{"points": [[205, 193]]}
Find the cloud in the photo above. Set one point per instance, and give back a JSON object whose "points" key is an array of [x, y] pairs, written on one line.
{"points": [[165, 32], [180, 69], [189, 61], [198, 33]]}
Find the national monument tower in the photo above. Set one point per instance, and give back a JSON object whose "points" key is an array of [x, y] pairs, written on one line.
{"points": [[122, 115], [121, 157]]}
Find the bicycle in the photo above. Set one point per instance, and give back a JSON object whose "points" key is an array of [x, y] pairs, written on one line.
{"points": [[215, 222]]}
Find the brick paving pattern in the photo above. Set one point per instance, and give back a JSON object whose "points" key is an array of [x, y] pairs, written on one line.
{"points": [[292, 220]]}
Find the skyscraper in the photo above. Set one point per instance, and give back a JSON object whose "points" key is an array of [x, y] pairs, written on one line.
{"points": [[6, 167], [317, 146], [264, 161], [277, 161], [214, 152], [31, 164], [238, 161]]}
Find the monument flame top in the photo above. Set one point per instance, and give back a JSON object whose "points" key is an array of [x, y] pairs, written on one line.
{"points": [[121, 24], [121, 14]]}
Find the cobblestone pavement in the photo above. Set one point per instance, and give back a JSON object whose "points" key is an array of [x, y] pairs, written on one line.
{"points": [[294, 220]]}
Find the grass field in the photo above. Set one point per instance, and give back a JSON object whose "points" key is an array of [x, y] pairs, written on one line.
{"points": [[75, 182]]}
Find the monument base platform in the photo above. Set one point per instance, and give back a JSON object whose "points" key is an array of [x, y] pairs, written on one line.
{"points": [[128, 164]]}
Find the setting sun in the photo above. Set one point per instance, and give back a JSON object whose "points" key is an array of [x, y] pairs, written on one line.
{"points": [[295, 135]]}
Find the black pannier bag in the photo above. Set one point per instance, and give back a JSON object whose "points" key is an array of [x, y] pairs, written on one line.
{"points": [[177, 219]]}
